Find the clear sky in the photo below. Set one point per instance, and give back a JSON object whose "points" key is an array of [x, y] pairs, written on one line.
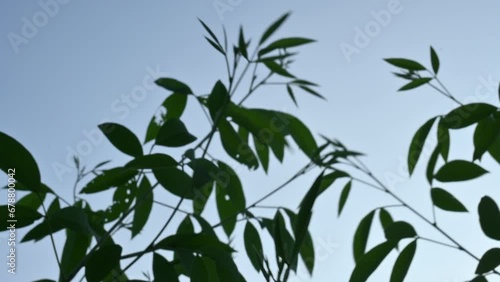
{"points": [[69, 65]]}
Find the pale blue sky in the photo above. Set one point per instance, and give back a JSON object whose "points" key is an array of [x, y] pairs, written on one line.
{"points": [[75, 70]]}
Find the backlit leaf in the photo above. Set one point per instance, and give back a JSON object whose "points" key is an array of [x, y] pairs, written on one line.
{"points": [[446, 201], [459, 170], [122, 138]]}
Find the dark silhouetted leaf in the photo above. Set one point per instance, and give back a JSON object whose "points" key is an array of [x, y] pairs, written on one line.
{"points": [[235, 147], [272, 28], [446, 201], [75, 249], [253, 246], [403, 263], [459, 170], [173, 133], [32, 200], [122, 138], [344, 195], [278, 69], [489, 217], [217, 101], [466, 115], [163, 270], [174, 85], [199, 272], [486, 133], [285, 43], [229, 197], [16, 161], [242, 45], [405, 64], [432, 163], [143, 208], [108, 179], [262, 152], [290, 93], [443, 136], [399, 230], [101, 262], [417, 144], [152, 161], [434, 61], [370, 261], [175, 181], [489, 261], [24, 215], [385, 219], [361, 236], [479, 279], [415, 83]]}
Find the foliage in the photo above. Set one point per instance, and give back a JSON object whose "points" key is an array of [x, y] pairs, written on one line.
{"points": [[249, 136]]}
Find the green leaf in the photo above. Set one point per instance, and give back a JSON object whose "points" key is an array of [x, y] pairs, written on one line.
{"points": [[489, 261], [32, 200], [24, 216], [417, 144], [284, 43], [305, 214], [216, 46], [175, 181], [143, 209], [446, 201], [278, 69], [242, 45], [122, 138], [163, 270], [174, 85], [229, 197], [204, 171], [201, 243], [101, 262], [486, 133], [152, 130], [494, 150], [399, 230], [405, 64], [415, 83], [201, 196], [199, 272], [361, 236], [330, 178], [16, 161], [212, 34], [253, 246], [443, 136], [217, 101], [459, 170], [479, 279], [109, 178], [272, 28], [434, 61], [307, 250], [466, 115], [290, 93], [75, 249], [370, 261], [302, 136], [153, 161], [489, 217], [262, 152], [73, 218], [311, 91], [385, 219], [175, 105], [432, 164], [403, 262], [344, 195], [235, 147], [173, 133]]}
